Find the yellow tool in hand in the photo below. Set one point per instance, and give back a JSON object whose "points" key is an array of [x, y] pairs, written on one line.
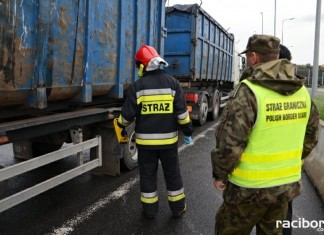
{"points": [[121, 137]]}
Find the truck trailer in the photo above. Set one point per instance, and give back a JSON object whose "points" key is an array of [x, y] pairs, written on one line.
{"points": [[201, 55], [65, 67]]}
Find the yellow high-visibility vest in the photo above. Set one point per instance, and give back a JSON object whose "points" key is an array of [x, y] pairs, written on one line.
{"points": [[275, 144]]}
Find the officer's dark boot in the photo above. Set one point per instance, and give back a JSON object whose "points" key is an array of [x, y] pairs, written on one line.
{"points": [[150, 210]]}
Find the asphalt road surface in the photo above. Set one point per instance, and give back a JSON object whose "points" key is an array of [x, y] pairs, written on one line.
{"points": [[100, 204]]}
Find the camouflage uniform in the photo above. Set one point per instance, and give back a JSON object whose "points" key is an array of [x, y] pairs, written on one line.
{"points": [[244, 207]]}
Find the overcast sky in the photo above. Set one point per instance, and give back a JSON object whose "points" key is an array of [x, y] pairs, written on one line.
{"points": [[244, 18]]}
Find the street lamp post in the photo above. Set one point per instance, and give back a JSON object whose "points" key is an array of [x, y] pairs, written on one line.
{"points": [[262, 21], [316, 48], [275, 18], [282, 29]]}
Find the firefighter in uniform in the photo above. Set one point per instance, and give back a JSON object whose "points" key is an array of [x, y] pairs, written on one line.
{"points": [[268, 127], [156, 102]]}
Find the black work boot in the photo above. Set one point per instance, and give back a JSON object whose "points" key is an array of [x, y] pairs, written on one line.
{"points": [[148, 215], [150, 210], [180, 213]]}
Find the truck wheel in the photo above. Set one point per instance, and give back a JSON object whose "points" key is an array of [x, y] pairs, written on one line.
{"points": [[203, 111], [215, 107], [130, 150]]}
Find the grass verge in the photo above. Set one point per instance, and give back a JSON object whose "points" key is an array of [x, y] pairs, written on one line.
{"points": [[319, 102]]}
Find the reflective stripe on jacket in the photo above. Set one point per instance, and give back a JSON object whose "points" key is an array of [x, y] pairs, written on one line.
{"points": [[273, 153]]}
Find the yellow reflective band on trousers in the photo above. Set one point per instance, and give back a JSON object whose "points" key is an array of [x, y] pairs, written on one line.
{"points": [[176, 198], [149, 200], [149, 197], [273, 153]]}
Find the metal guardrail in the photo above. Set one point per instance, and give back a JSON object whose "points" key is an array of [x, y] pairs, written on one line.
{"points": [[34, 163]]}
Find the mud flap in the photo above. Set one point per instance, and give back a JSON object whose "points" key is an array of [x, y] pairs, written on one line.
{"points": [[111, 152], [3, 185], [22, 149]]}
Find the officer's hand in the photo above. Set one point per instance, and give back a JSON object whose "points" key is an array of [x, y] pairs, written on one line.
{"points": [[187, 140], [124, 133], [219, 185]]}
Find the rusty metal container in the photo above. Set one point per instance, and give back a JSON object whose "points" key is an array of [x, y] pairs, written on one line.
{"points": [[67, 52]]}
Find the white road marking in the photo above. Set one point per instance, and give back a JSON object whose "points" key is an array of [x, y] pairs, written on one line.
{"points": [[69, 225], [200, 136]]}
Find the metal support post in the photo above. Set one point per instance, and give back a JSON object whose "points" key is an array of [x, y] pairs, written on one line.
{"points": [[77, 137]]}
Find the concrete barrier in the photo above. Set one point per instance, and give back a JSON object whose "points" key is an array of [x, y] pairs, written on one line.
{"points": [[314, 163]]}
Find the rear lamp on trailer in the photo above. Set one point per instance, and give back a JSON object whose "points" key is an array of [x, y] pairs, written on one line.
{"points": [[4, 139], [191, 97]]}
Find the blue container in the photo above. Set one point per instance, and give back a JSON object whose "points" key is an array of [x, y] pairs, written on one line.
{"points": [[73, 50], [197, 47]]}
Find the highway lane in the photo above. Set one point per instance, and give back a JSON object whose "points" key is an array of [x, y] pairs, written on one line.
{"points": [[99, 204]]}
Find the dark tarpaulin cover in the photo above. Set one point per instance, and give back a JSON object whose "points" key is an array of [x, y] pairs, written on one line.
{"points": [[179, 7], [190, 8]]}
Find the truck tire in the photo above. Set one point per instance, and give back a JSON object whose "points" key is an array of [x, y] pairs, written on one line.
{"points": [[215, 106], [203, 111], [130, 150]]}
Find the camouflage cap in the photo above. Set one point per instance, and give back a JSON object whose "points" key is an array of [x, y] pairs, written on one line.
{"points": [[262, 43]]}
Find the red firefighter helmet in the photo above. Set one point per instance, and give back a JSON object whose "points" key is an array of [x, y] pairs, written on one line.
{"points": [[145, 54]]}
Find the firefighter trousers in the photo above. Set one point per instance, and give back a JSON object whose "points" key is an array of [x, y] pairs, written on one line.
{"points": [[148, 162]]}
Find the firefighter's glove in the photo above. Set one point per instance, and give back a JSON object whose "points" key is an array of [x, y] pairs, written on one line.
{"points": [[123, 132], [187, 140]]}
